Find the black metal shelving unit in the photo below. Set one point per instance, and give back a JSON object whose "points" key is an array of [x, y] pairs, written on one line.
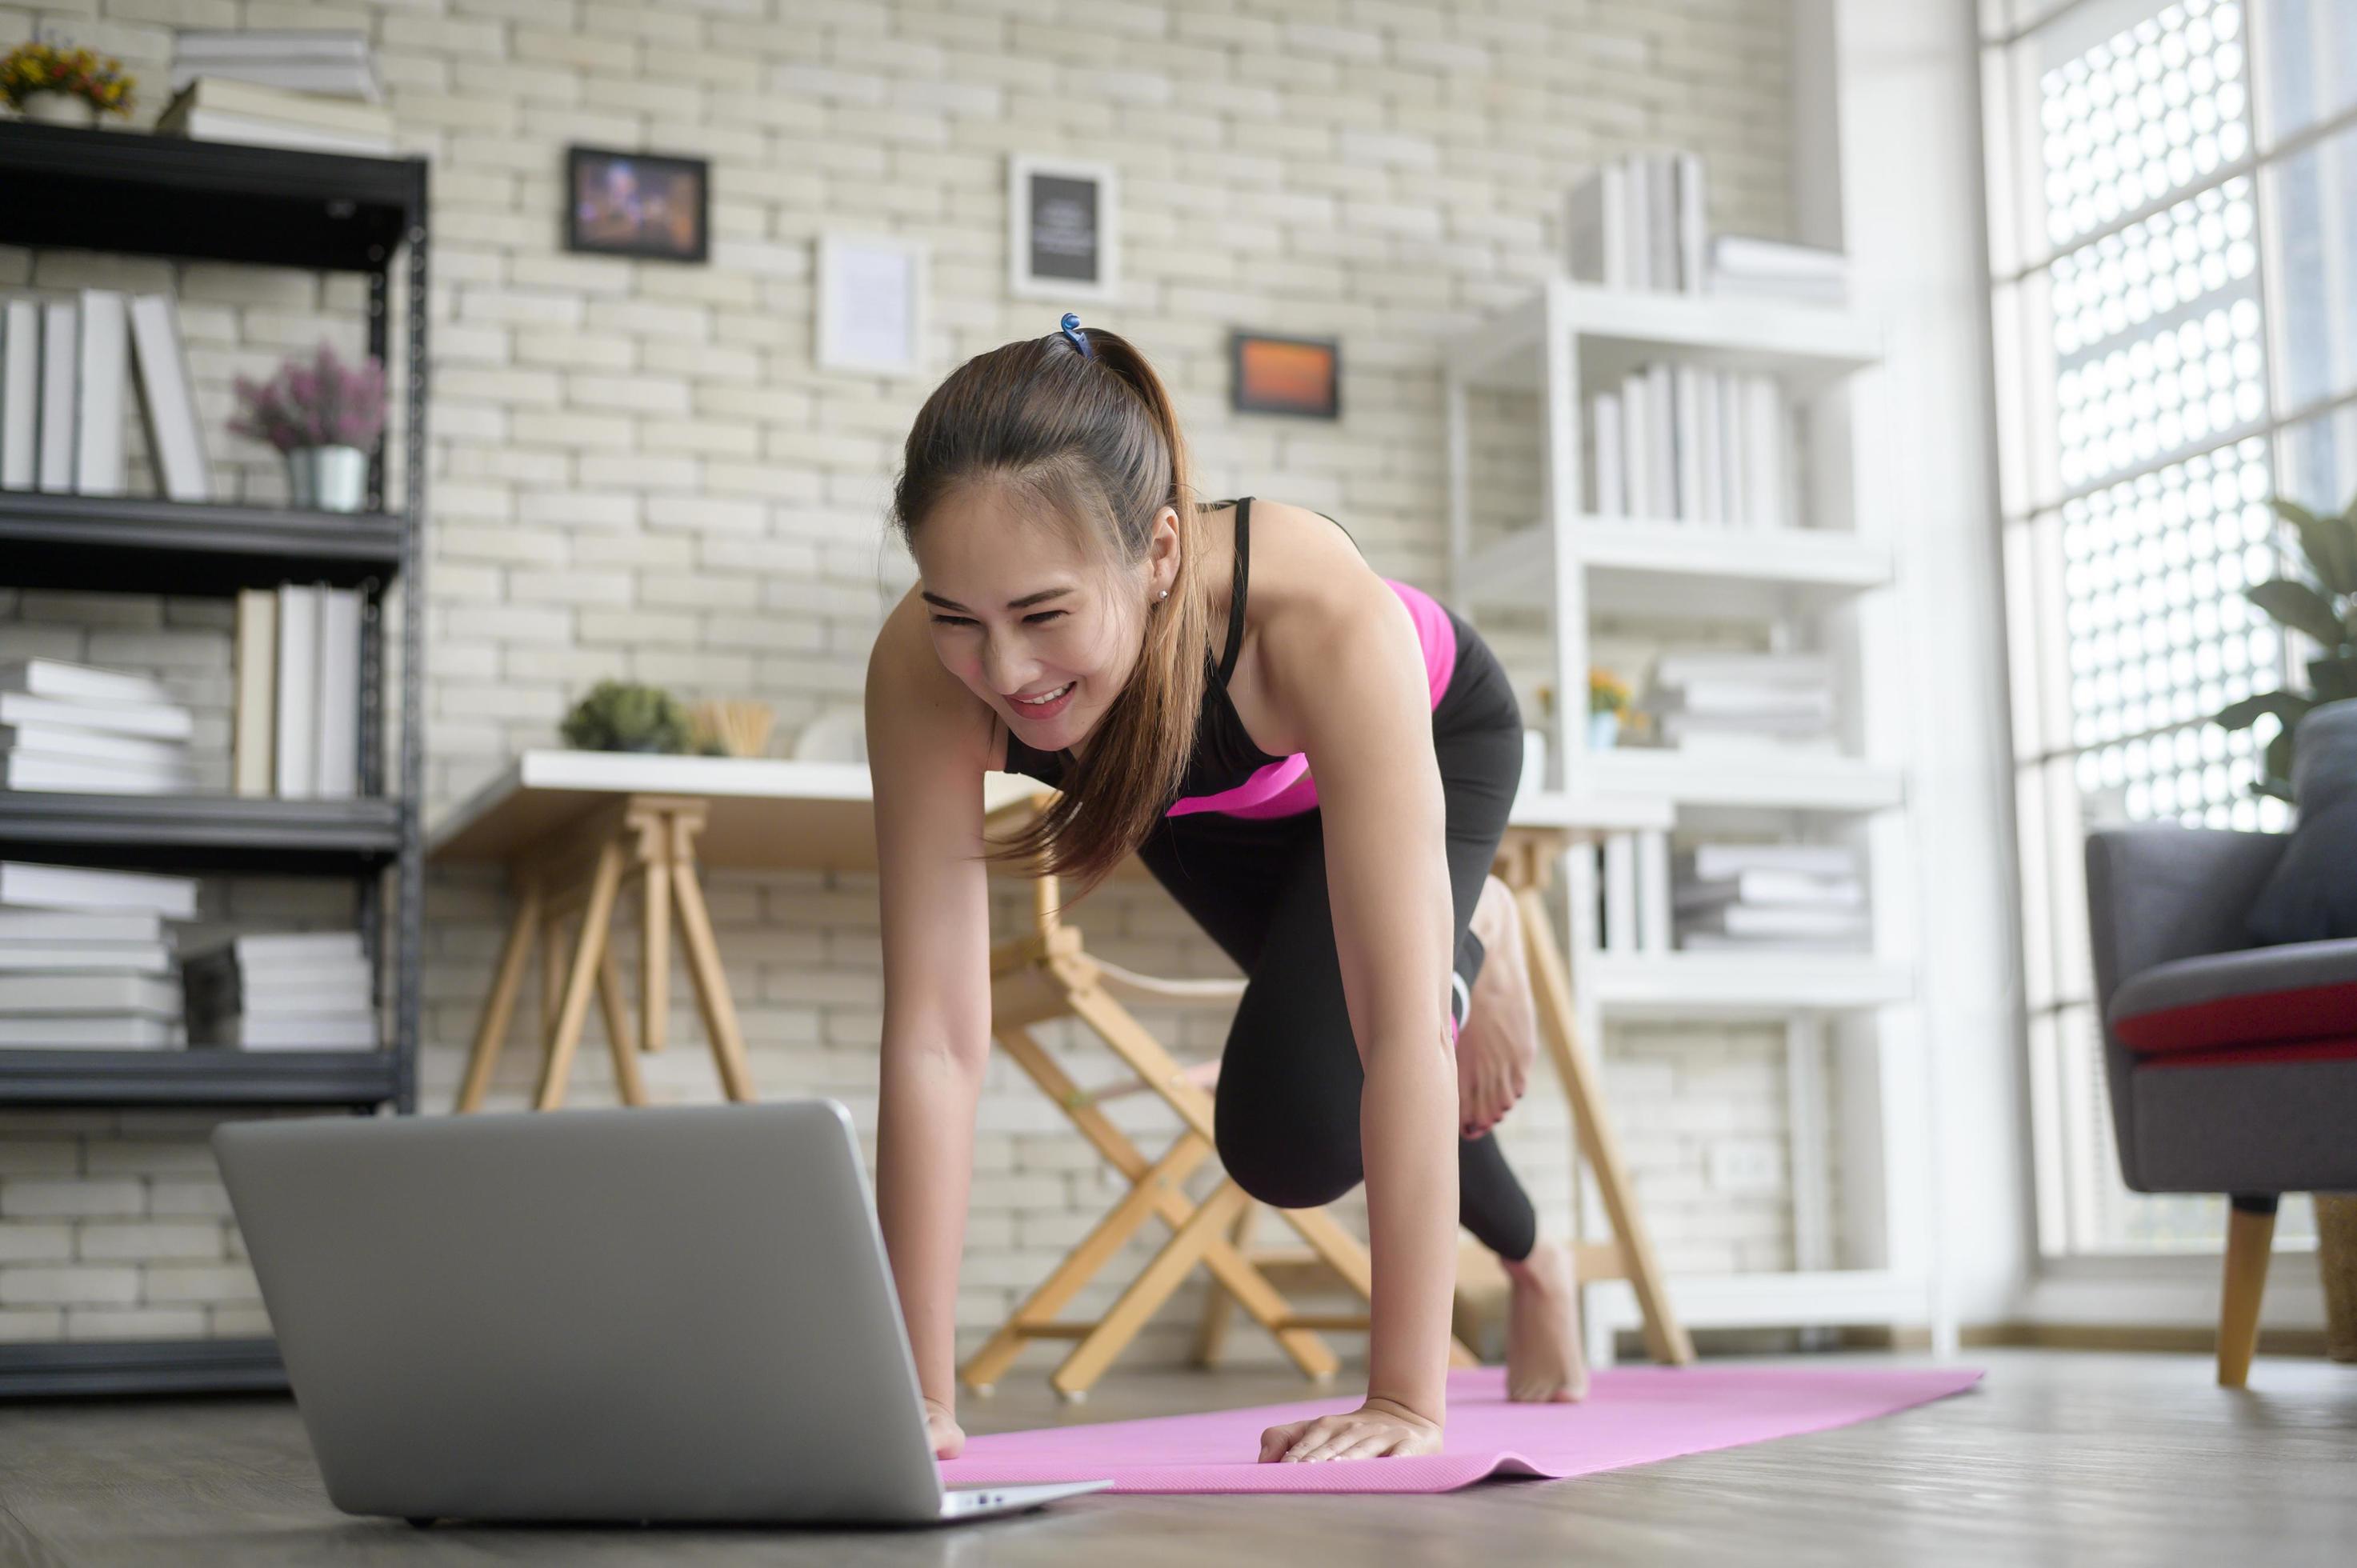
{"points": [[160, 196]]}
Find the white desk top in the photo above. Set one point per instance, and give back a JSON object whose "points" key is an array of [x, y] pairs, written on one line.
{"points": [[771, 813]]}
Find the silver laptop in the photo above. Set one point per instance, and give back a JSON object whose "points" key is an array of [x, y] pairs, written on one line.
{"points": [[659, 1313]]}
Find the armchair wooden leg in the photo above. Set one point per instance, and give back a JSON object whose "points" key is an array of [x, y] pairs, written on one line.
{"points": [[2250, 1242]]}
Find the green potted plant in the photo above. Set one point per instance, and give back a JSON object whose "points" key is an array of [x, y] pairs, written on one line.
{"points": [[623, 716], [2324, 609], [64, 86]]}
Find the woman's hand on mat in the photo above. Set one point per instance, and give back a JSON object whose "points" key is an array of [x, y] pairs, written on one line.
{"points": [[1375, 1429], [943, 1431]]}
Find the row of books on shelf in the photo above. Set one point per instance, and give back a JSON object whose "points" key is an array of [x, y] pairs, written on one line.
{"points": [[312, 88], [65, 368], [1640, 222], [78, 728], [1690, 443], [1731, 897], [88, 961]]}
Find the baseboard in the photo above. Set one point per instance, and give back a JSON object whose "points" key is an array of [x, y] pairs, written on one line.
{"points": [[2301, 1342]]}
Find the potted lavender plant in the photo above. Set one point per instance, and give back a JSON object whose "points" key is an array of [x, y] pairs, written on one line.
{"points": [[324, 417]]}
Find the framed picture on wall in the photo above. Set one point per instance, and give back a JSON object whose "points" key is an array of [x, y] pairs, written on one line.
{"points": [[871, 303], [1063, 228], [1299, 376], [650, 204]]}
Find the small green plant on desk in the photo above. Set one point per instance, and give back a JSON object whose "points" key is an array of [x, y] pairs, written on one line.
{"points": [[623, 716]]}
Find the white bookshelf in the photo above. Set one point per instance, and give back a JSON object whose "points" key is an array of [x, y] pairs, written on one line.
{"points": [[1848, 1019]]}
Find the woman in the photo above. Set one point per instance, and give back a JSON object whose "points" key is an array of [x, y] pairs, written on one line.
{"points": [[1315, 762]]}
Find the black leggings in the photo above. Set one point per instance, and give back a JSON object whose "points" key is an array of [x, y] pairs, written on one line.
{"points": [[1287, 1112]]}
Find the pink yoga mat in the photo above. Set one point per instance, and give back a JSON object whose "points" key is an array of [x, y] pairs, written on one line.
{"points": [[1632, 1417]]}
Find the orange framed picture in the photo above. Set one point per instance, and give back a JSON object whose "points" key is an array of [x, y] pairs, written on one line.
{"points": [[1300, 376]]}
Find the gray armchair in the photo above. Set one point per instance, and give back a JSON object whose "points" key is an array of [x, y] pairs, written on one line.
{"points": [[2232, 1067]]}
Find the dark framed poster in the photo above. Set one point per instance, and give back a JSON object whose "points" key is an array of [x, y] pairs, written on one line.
{"points": [[1063, 233], [1300, 376], [649, 205]]}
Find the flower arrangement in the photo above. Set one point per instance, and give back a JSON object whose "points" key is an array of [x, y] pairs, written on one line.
{"points": [[1607, 693], [323, 402], [32, 68]]}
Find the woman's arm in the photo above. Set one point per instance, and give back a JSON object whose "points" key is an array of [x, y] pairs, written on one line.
{"points": [[1344, 662], [927, 737]]}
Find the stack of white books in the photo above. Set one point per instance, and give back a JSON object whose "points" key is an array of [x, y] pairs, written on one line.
{"points": [[86, 959], [287, 87], [1736, 897], [302, 991], [1639, 222], [1694, 444], [72, 727], [298, 729], [1778, 269], [1744, 702], [65, 361]]}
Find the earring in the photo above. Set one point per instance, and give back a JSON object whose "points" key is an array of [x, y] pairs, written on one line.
{"points": [[1165, 593]]}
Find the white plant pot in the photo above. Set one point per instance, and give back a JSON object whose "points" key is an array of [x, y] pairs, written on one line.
{"points": [[59, 109], [327, 479]]}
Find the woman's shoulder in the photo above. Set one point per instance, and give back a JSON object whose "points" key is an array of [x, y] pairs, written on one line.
{"points": [[1302, 561]]}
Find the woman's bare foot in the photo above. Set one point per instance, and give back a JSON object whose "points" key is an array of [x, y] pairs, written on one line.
{"points": [[1499, 1037], [1545, 1363]]}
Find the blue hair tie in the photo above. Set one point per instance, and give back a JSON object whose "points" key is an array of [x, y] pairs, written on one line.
{"points": [[1072, 325]]}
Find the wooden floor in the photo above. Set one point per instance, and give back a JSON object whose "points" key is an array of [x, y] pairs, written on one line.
{"points": [[2060, 1457]]}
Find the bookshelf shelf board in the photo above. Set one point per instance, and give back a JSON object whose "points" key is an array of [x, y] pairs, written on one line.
{"points": [[74, 1368], [146, 545], [141, 194], [1615, 330], [1804, 781], [197, 1076], [219, 833], [1766, 984], [1689, 568]]}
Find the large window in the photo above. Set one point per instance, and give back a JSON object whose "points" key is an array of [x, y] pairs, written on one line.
{"points": [[2173, 221]]}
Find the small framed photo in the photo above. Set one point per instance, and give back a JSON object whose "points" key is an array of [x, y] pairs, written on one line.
{"points": [[649, 205], [871, 303], [1063, 228], [1300, 376]]}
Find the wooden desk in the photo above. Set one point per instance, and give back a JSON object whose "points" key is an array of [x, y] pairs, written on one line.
{"points": [[576, 828]]}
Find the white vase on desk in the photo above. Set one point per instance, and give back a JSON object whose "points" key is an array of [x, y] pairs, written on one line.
{"points": [[59, 109], [327, 479]]}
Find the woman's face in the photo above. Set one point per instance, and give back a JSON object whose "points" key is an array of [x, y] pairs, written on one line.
{"points": [[1033, 626]]}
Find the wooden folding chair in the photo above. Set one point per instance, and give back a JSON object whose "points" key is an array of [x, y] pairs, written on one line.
{"points": [[1047, 975]]}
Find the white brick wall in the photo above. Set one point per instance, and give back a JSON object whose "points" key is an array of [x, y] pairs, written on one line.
{"points": [[636, 471]]}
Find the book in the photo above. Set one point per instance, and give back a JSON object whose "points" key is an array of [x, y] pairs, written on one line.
{"points": [[1611, 488], [1769, 884], [1637, 446], [313, 988], [105, 359], [64, 743], [76, 775], [89, 1032], [78, 682], [263, 947], [169, 400], [253, 758], [224, 93], [213, 125], [351, 80], [31, 995], [336, 767], [61, 356], [1726, 698], [289, 1032], [37, 886], [1736, 507], [1713, 862], [1693, 232], [1620, 934], [1687, 417], [57, 958], [294, 772], [153, 720], [20, 393], [45, 925], [1779, 668], [1780, 920], [1767, 948]]}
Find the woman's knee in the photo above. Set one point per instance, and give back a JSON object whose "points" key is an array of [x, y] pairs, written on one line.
{"points": [[1285, 1167]]}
